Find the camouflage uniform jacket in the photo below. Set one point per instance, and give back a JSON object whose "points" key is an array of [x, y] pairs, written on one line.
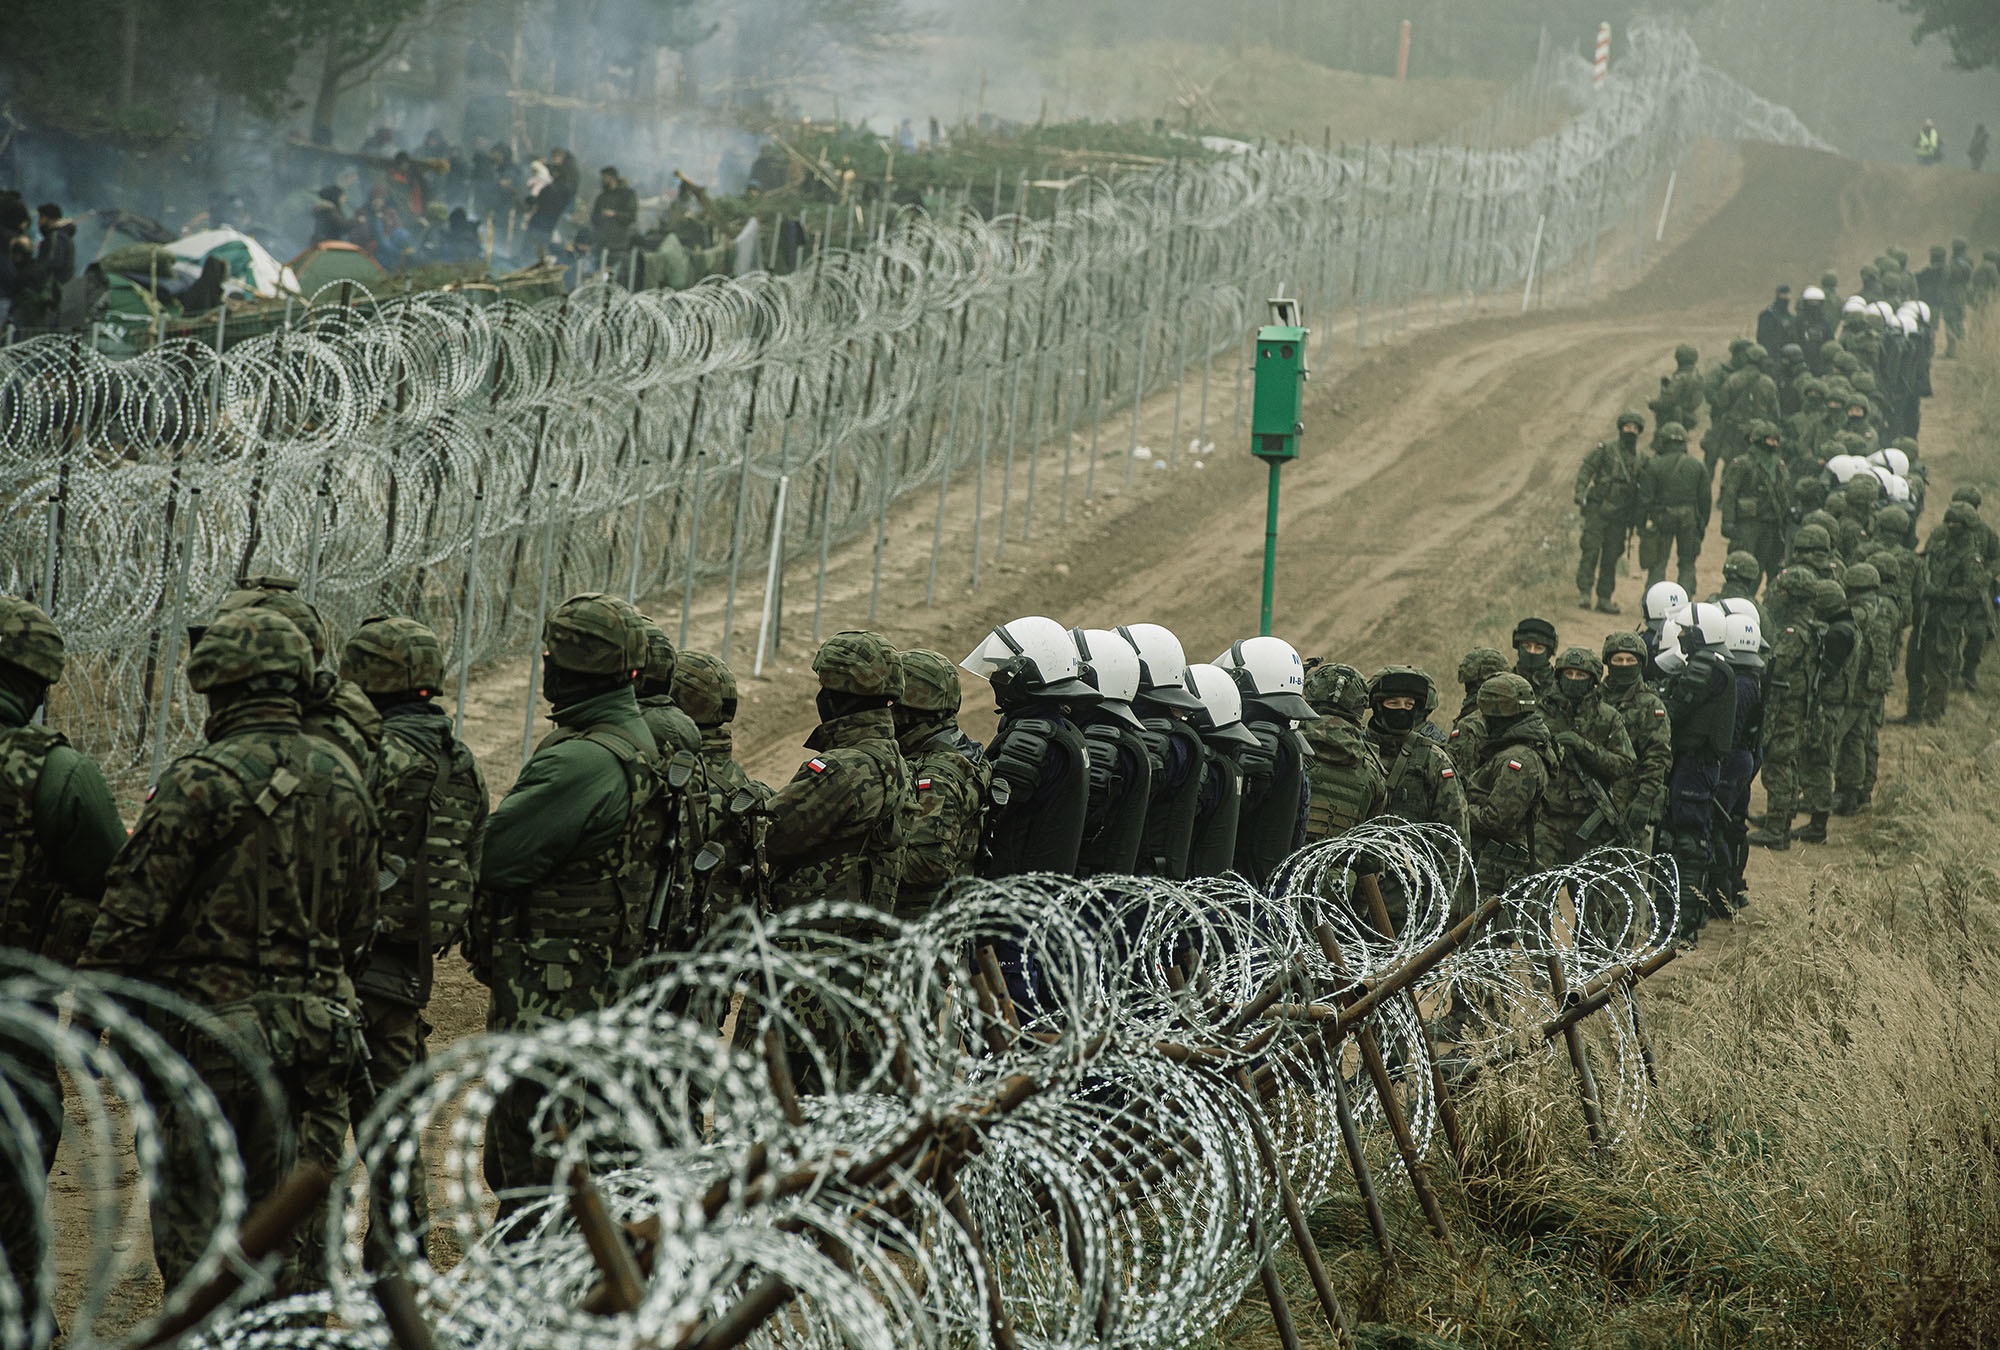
{"points": [[1348, 782], [950, 781], [1600, 748], [1674, 482], [1791, 691], [1902, 580], [251, 871], [671, 728], [1679, 400], [733, 881], [1875, 626], [1608, 482], [1957, 570], [1423, 784], [432, 802], [1645, 719], [58, 834], [1754, 492], [1505, 793], [837, 828], [1468, 736], [569, 865], [336, 710]]}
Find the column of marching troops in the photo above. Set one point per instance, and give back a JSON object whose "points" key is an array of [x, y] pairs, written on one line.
{"points": [[297, 877]]}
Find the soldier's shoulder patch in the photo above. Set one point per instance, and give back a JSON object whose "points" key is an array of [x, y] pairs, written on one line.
{"points": [[1660, 713], [923, 784], [818, 765], [1514, 764], [1447, 773], [1454, 734]]}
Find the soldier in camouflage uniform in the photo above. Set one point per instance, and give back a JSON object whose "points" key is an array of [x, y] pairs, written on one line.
{"points": [[671, 727], [58, 834], [1958, 582], [332, 707], [950, 781], [431, 800], [1897, 564], [1681, 396], [1812, 551], [1791, 704], [571, 861], [1740, 574], [1641, 796], [683, 914], [1711, 388], [1756, 499], [1834, 687], [1746, 396], [705, 688], [1468, 729], [1856, 707], [1347, 781], [248, 888], [1607, 493], [1673, 497], [1594, 752], [1981, 629], [1422, 783], [1853, 510], [1505, 790], [1535, 653]]}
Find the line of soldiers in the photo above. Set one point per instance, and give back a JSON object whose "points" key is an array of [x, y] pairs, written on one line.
{"points": [[1818, 391]]}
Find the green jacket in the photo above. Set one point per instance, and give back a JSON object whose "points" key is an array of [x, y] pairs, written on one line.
{"points": [[1607, 483], [672, 729], [1671, 483], [949, 784], [59, 832], [1592, 740], [570, 802], [1754, 492]]}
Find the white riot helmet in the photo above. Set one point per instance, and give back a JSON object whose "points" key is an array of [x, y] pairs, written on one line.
{"points": [[1667, 656], [1844, 467], [1737, 604], [1112, 667], [1898, 488], [1269, 670], [1854, 304], [1924, 312], [1743, 639], [1812, 293], [1886, 311], [1667, 600], [1708, 623], [1028, 658], [1161, 662], [1892, 459], [1221, 715]]}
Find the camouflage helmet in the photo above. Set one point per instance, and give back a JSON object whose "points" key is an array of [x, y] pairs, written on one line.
{"points": [[1738, 346], [1673, 433], [930, 682], [595, 634], [1861, 577], [251, 645], [1892, 522], [1506, 695], [1337, 690], [1629, 418], [661, 658], [857, 662], [1793, 588], [1864, 489], [1742, 565], [1685, 355], [705, 689], [29, 639], [1583, 659], [1971, 494], [1479, 665], [391, 655], [1863, 382], [1405, 682], [1963, 514], [1758, 430], [1812, 537], [1623, 640], [280, 595], [1828, 597], [1813, 390]]}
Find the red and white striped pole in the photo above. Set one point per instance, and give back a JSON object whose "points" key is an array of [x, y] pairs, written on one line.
{"points": [[1403, 53], [1603, 62]]}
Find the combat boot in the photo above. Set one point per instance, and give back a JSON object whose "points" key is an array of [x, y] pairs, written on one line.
{"points": [[1582, 598], [1862, 798], [1608, 606], [1843, 803], [1813, 831], [1774, 833]]}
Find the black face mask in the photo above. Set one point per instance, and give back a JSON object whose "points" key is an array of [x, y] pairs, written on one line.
{"points": [[1530, 660], [1621, 677], [565, 687], [1573, 691], [1395, 720], [1628, 439]]}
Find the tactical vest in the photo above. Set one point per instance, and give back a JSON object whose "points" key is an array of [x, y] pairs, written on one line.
{"points": [[730, 833], [1345, 777], [943, 753], [28, 894], [427, 880], [1170, 815], [1115, 817], [1212, 849], [1032, 827], [1703, 719], [604, 900], [1273, 804]]}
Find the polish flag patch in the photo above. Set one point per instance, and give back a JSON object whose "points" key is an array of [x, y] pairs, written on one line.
{"points": [[816, 765], [1514, 764], [923, 784], [1448, 773]]}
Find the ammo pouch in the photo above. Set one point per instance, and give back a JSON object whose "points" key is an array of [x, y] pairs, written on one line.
{"points": [[393, 977], [301, 1029]]}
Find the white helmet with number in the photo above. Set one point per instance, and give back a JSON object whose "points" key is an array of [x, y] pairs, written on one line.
{"points": [[1744, 640], [1221, 715], [1161, 662], [1269, 670], [1667, 600], [1844, 467], [1030, 657], [1892, 459], [1112, 667], [1708, 622], [1737, 604], [1812, 293]]}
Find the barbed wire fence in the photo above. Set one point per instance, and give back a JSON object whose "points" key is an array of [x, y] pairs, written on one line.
{"points": [[464, 464], [1107, 1145]]}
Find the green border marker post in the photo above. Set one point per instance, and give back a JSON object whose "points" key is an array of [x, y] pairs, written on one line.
{"points": [[1279, 394]]}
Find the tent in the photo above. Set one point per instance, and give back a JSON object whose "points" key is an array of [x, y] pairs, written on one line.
{"points": [[249, 261], [335, 261]]}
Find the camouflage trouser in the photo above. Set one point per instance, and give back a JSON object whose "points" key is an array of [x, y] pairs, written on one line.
{"points": [[1849, 728], [1786, 730], [312, 1127], [1602, 544], [1872, 746], [31, 1077], [526, 994], [1936, 657], [1954, 327], [1555, 837], [396, 1036], [1677, 533], [1976, 637]]}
